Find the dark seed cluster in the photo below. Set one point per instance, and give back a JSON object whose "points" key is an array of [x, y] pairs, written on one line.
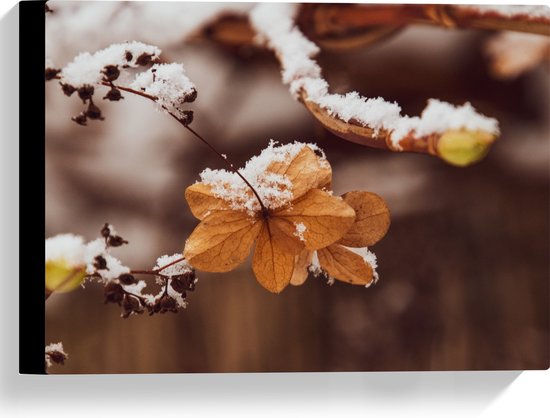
{"points": [[115, 292], [110, 73], [112, 240], [130, 303], [55, 357]]}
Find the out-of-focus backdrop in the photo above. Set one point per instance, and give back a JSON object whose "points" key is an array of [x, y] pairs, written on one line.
{"points": [[464, 267]]}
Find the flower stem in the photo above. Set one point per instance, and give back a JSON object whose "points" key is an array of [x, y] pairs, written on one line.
{"points": [[197, 135]]}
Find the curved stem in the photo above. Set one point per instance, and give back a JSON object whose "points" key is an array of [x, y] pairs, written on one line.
{"points": [[231, 166], [186, 126], [204, 141], [169, 264]]}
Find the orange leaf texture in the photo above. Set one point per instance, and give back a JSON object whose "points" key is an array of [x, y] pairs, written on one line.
{"points": [[349, 260], [293, 215]]}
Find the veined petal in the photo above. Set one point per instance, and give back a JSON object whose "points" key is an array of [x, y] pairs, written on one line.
{"points": [[372, 219], [273, 262], [344, 265], [326, 218], [202, 200], [221, 241], [306, 171], [301, 264]]}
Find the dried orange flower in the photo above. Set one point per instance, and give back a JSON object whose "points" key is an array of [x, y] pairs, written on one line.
{"points": [[349, 259], [291, 213]]}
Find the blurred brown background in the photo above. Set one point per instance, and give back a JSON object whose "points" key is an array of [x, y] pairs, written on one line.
{"points": [[463, 269]]}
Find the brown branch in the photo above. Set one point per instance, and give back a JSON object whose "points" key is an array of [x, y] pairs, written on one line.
{"points": [[341, 26]]}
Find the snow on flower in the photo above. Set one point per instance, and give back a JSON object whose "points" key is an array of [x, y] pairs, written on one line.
{"points": [[349, 260], [274, 189], [300, 229], [315, 267], [370, 258], [290, 183]]}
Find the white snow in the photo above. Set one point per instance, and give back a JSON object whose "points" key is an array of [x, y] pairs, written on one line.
{"points": [[180, 301], [511, 11], [137, 289], [315, 267], [114, 269], [168, 83], [273, 189], [49, 63], [300, 229], [274, 23], [54, 347], [513, 53], [370, 258], [176, 269], [86, 68], [88, 24], [68, 248], [72, 250]]}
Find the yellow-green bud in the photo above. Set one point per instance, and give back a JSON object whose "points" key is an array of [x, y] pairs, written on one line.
{"points": [[462, 148], [62, 277], [65, 263]]}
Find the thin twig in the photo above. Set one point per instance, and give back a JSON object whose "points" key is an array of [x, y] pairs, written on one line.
{"points": [[196, 134]]}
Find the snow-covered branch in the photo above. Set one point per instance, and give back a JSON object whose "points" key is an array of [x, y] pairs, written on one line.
{"points": [[372, 121]]}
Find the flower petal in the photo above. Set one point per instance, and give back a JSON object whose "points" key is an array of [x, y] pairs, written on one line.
{"points": [[306, 171], [326, 218], [345, 265], [202, 200], [372, 219], [301, 264], [273, 262], [221, 241]]}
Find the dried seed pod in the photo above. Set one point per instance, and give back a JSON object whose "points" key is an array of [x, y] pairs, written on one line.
{"points": [[113, 95], [57, 357], [81, 119], [116, 241], [187, 117], [126, 279], [144, 59], [167, 303], [114, 293], [190, 280], [130, 304], [85, 92], [192, 96], [51, 73], [100, 263], [93, 112], [178, 285], [67, 89], [106, 230], [111, 72]]}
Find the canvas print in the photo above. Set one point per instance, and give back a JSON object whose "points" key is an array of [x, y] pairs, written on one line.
{"points": [[274, 187]]}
